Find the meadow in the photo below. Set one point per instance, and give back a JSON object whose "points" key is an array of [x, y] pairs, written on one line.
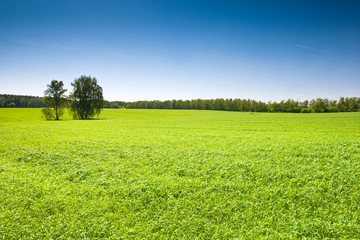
{"points": [[180, 174]]}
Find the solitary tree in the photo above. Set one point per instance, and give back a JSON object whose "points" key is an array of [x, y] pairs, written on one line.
{"points": [[86, 98], [54, 99]]}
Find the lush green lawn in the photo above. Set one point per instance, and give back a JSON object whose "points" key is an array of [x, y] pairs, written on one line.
{"points": [[167, 174]]}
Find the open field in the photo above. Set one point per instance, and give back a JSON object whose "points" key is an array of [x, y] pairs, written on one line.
{"points": [[168, 174]]}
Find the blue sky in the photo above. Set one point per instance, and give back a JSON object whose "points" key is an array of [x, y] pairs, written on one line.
{"points": [[183, 49]]}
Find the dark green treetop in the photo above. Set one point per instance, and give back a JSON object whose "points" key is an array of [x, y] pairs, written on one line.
{"points": [[87, 97]]}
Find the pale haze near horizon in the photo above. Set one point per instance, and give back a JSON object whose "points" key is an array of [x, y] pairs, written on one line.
{"points": [[163, 50]]}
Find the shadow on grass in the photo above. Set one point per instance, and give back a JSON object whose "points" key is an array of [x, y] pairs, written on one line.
{"points": [[78, 119], [90, 119]]}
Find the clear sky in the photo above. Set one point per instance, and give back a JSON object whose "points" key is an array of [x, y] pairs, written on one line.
{"points": [[183, 49]]}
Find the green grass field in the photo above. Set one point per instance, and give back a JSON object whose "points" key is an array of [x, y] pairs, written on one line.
{"points": [[168, 174]]}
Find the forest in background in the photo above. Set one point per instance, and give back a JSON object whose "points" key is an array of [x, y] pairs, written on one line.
{"points": [[344, 104]]}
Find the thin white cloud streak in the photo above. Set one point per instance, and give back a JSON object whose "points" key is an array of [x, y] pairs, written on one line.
{"points": [[314, 49]]}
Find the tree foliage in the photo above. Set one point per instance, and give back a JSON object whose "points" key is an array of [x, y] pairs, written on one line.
{"points": [[87, 97], [48, 113], [344, 104], [54, 97], [8, 100], [247, 105]]}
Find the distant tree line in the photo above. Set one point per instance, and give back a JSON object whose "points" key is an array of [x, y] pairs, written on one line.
{"points": [[247, 105], [21, 101], [244, 105]]}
